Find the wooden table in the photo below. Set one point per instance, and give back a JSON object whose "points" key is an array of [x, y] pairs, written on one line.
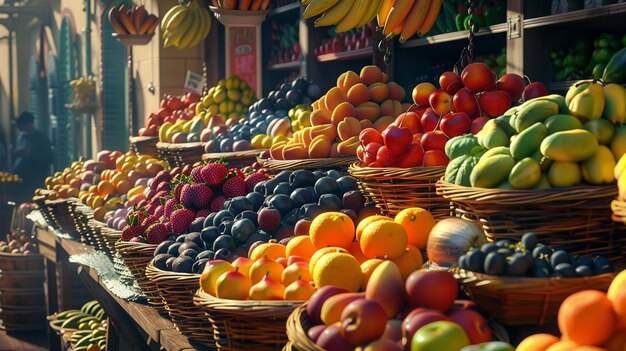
{"points": [[132, 326]]}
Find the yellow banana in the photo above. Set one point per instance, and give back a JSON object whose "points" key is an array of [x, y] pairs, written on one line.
{"points": [[305, 2], [431, 17], [191, 32], [335, 13], [169, 14], [614, 103], [317, 7], [177, 34], [383, 12], [414, 19], [205, 28], [398, 13], [372, 10], [176, 20], [357, 11]]}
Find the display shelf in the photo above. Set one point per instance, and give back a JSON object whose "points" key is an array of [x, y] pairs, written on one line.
{"points": [[284, 66], [453, 36], [346, 55], [283, 9], [575, 16]]}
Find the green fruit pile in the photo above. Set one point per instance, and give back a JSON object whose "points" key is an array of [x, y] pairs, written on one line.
{"points": [[550, 141], [586, 58], [90, 325]]}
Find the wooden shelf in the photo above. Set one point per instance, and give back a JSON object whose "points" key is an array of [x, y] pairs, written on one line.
{"points": [[453, 36], [284, 9], [284, 66], [346, 55], [575, 16]]}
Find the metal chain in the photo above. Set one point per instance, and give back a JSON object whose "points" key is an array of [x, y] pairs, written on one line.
{"points": [[467, 54]]}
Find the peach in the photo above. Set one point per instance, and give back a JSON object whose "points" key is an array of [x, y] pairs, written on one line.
{"points": [[334, 97], [371, 74], [321, 116], [343, 110], [358, 94], [333, 150], [383, 122], [295, 151], [315, 104], [386, 108], [396, 92], [346, 80], [368, 110], [348, 128], [322, 102], [276, 151], [366, 123], [306, 136], [329, 130], [297, 136], [385, 77], [386, 287], [348, 147], [397, 108], [379, 92], [320, 147]]}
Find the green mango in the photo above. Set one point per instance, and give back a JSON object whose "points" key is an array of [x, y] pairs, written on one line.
{"points": [[528, 141], [557, 99], [559, 123], [197, 126], [602, 129], [534, 111], [526, 174], [569, 146], [618, 144], [598, 169], [491, 136], [564, 174], [543, 162], [500, 150], [504, 123], [489, 172], [576, 89], [615, 71], [490, 346]]}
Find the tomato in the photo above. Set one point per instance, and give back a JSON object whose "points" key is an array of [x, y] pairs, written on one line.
{"points": [[370, 151], [385, 157]]}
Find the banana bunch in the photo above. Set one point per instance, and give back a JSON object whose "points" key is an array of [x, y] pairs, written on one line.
{"points": [[344, 14], [243, 5], [128, 20], [90, 314], [84, 91], [185, 26], [408, 17]]}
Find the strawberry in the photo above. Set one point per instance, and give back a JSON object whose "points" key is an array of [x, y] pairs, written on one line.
{"points": [[217, 203], [196, 196], [159, 211], [181, 220], [202, 213], [237, 172], [168, 225], [253, 179], [131, 231], [156, 233], [177, 185], [234, 186], [214, 174], [169, 207], [149, 220], [196, 175]]}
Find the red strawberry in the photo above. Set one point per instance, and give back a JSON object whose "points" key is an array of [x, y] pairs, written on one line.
{"points": [[131, 231], [234, 186], [214, 174], [196, 196], [149, 220], [156, 233], [196, 175], [181, 220], [237, 172], [169, 207], [168, 225], [202, 213], [159, 211], [217, 203], [253, 179]]}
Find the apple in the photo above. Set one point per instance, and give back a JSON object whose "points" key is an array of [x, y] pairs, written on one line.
{"points": [[494, 103], [415, 320], [477, 124], [409, 120], [332, 340], [465, 101], [370, 152], [314, 307], [534, 90], [314, 332], [440, 335], [429, 120], [455, 124], [412, 157], [393, 330], [363, 321], [397, 139], [513, 84], [474, 325], [435, 158], [478, 77], [369, 135], [385, 157], [450, 82], [434, 141], [431, 289], [421, 92], [440, 101]]}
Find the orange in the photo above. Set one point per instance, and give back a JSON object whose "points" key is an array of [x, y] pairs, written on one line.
{"points": [[410, 261], [321, 252], [332, 229], [587, 318], [300, 246], [366, 221], [537, 342], [563, 345], [105, 188], [367, 268], [270, 250], [338, 269], [418, 223], [617, 295], [355, 250], [383, 239]]}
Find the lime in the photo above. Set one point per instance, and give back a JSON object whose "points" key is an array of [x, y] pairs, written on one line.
{"points": [[601, 55], [580, 60]]}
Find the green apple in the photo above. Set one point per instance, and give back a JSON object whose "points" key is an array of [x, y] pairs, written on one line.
{"points": [[490, 346], [439, 336]]}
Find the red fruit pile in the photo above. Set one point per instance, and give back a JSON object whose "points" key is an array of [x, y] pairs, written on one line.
{"points": [[171, 109], [462, 104]]}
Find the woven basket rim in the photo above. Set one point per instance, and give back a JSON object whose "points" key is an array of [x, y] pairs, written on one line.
{"points": [[132, 246], [232, 154], [160, 274], [256, 305], [20, 256], [179, 147], [529, 281], [138, 139], [356, 168], [250, 13]]}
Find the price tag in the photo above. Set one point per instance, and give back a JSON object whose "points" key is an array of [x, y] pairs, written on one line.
{"points": [[194, 83]]}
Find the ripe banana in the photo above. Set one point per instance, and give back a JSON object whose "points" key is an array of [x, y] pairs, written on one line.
{"points": [[398, 13], [414, 19], [317, 7], [185, 26], [383, 12], [357, 12], [372, 10], [335, 14], [614, 103], [431, 17]]}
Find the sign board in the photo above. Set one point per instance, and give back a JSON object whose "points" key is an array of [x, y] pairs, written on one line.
{"points": [[194, 83], [243, 56]]}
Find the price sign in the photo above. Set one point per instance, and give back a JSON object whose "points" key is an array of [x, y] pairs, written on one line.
{"points": [[194, 83], [243, 53]]}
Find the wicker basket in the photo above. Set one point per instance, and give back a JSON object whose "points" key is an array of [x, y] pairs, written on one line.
{"points": [[276, 166], [299, 323], [177, 291], [144, 145], [111, 236], [577, 219], [40, 201], [136, 257], [62, 213], [236, 159], [526, 301], [22, 295], [394, 189], [247, 325], [178, 155], [97, 231]]}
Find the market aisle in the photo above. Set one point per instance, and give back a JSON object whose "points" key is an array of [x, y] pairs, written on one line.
{"points": [[25, 341]]}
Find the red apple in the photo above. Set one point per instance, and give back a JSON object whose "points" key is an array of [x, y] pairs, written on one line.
{"points": [[314, 308], [417, 319], [393, 330], [450, 82], [430, 120], [314, 332], [413, 157], [409, 120], [397, 139], [474, 325], [369, 135], [455, 124], [421, 92], [465, 101], [431, 289], [494, 103], [435, 158], [417, 138], [534, 90], [332, 340], [363, 321], [440, 101], [370, 152], [385, 157], [513, 84], [434, 141], [478, 77], [477, 124]]}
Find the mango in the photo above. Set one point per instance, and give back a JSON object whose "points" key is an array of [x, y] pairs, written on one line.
{"points": [[557, 99], [526, 174], [491, 136], [500, 150], [614, 103], [491, 171], [589, 103], [618, 144], [544, 183], [386, 287], [563, 173], [569, 146], [599, 168], [528, 141], [534, 111], [334, 306], [576, 89], [543, 162], [602, 129], [559, 123]]}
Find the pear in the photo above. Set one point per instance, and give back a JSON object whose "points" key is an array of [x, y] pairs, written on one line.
{"points": [[233, 285], [386, 287], [267, 289], [299, 290], [262, 266], [212, 271]]}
